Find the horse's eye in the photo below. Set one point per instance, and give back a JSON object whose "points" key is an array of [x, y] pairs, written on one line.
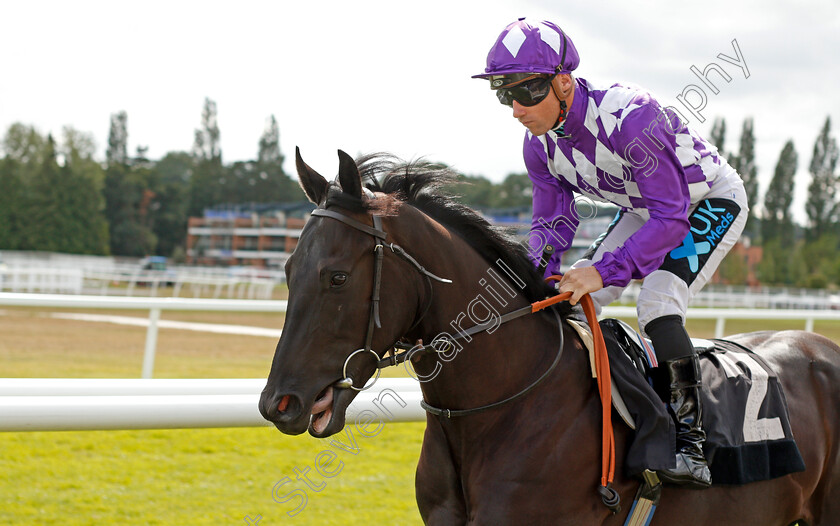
{"points": [[338, 279]]}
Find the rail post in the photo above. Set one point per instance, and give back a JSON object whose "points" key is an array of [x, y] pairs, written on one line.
{"points": [[720, 326], [151, 343]]}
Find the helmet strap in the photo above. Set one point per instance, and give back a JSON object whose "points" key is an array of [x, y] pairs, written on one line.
{"points": [[561, 118], [561, 121]]}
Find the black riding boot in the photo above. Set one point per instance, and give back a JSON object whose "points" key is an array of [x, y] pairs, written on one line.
{"points": [[681, 393], [687, 410]]}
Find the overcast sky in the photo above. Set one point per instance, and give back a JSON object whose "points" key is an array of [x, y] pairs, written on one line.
{"points": [[394, 76]]}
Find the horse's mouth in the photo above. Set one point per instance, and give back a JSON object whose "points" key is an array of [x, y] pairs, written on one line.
{"points": [[292, 415], [328, 411], [322, 411]]}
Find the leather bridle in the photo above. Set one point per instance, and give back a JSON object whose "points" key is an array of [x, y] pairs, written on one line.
{"points": [[609, 496], [373, 320], [394, 357]]}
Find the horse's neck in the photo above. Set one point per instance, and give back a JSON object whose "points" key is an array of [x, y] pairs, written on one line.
{"points": [[491, 365], [479, 291], [474, 281]]}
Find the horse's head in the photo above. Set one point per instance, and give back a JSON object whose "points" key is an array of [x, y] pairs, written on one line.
{"points": [[332, 330]]}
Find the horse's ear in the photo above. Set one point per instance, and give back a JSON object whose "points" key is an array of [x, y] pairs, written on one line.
{"points": [[348, 175], [314, 185]]}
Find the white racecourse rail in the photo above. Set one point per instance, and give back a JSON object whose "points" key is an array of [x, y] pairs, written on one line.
{"points": [[63, 404], [153, 305], [32, 404], [156, 305]]}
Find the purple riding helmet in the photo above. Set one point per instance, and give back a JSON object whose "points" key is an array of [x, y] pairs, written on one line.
{"points": [[530, 48]]}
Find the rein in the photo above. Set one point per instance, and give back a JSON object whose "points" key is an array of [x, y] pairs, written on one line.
{"points": [[609, 496], [449, 413]]}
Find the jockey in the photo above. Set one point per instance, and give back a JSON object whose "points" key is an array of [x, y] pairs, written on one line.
{"points": [[682, 206]]}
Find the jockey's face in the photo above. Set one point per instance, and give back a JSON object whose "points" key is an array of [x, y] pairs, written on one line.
{"points": [[543, 116]]}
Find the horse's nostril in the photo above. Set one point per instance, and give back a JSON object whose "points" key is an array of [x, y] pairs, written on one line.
{"points": [[283, 407], [284, 403]]}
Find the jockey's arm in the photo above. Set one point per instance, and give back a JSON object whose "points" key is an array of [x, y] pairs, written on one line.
{"points": [[554, 220]]}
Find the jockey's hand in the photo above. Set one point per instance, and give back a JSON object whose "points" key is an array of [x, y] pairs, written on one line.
{"points": [[580, 281]]}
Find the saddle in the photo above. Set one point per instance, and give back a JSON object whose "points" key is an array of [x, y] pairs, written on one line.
{"points": [[748, 433]]}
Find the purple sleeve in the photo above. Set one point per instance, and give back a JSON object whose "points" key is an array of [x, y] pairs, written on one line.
{"points": [[646, 145], [554, 217]]}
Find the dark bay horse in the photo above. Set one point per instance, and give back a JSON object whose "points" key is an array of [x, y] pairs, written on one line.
{"points": [[369, 271]]}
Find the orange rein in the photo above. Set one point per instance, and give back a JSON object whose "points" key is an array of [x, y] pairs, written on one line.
{"points": [[602, 368]]}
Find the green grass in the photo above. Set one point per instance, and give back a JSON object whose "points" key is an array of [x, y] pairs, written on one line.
{"points": [[190, 476], [204, 476], [199, 476]]}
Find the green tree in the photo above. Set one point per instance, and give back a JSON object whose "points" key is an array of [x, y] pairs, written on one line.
{"points": [[479, 192], [718, 135], [243, 176], [263, 180], [83, 180], [271, 183], [169, 206], [85, 230], [778, 223], [127, 193], [117, 152], [43, 230], [12, 212], [63, 208], [25, 145], [781, 264], [475, 191], [515, 191], [78, 150], [208, 185], [25, 150], [820, 256], [207, 138], [768, 271], [77, 146], [269, 150], [744, 163], [733, 269], [821, 205]]}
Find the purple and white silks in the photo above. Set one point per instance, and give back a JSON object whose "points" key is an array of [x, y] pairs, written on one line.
{"points": [[619, 146]]}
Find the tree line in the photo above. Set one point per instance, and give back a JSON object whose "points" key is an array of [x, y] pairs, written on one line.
{"points": [[57, 197], [792, 254]]}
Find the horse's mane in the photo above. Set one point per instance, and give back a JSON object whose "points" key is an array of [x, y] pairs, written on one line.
{"points": [[421, 184]]}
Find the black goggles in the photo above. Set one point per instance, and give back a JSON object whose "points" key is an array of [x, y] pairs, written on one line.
{"points": [[527, 90]]}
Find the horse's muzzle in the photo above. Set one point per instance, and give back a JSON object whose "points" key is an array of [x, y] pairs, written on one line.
{"points": [[285, 411]]}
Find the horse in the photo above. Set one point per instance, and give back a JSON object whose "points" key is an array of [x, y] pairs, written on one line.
{"points": [[513, 433]]}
